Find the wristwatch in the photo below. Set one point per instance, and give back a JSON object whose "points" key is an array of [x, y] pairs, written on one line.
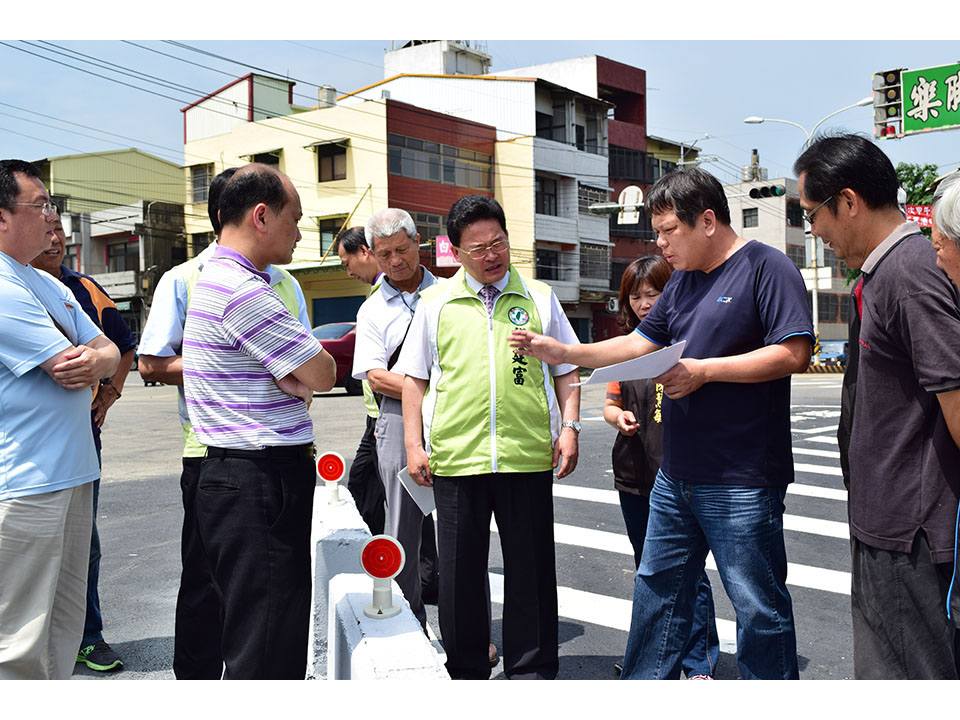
{"points": [[575, 424]]}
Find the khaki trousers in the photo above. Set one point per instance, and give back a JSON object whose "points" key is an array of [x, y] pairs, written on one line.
{"points": [[44, 553]]}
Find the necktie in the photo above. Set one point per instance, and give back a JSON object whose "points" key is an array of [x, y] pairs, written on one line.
{"points": [[488, 293]]}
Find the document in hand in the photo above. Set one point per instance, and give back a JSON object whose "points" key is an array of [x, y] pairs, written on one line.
{"points": [[422, 495], [646, 366]]}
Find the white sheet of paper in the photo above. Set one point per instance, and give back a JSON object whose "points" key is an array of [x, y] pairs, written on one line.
{"points": [[645, 366], [422, 496]]}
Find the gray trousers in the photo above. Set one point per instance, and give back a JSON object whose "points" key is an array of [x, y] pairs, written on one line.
{"points": [[900, 625], [404, 520]]}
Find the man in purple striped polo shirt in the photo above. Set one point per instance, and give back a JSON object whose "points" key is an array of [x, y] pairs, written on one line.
{"points": [[249, 372]]}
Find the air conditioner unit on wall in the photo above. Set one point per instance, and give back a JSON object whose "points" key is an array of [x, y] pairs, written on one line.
{"points": [[613, 305]]}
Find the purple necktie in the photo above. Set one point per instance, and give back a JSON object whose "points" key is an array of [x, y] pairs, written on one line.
{"points": [[488, 293]]}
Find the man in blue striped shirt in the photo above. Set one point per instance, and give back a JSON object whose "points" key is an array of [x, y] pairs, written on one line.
{"points": [[249, 372]]}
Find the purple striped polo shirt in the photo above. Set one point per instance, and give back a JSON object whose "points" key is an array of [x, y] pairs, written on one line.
{"points": [[237, 338]]}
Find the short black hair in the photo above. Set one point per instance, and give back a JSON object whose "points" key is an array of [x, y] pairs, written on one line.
{"points": [[687, 192], [831, 163], [249, 186], [468, 210], [9, 187], [213, 197], [351, 240]]}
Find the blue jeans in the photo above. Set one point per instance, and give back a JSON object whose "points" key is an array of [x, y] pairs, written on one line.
{"points": [[743, 527], [702, 651]]}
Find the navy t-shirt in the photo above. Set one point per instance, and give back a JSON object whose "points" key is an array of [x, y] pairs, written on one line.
{"points": [[731, 433]]}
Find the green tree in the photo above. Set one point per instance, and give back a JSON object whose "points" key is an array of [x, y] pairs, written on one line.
{"points": [[914, 179]]}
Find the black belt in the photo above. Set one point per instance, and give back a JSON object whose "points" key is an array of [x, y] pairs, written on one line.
{"points": [[288, 452]]}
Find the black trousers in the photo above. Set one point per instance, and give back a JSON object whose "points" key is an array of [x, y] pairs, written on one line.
{"points": [[522, 504], [364, 481], [198, 624], [900, 625], [254, 515]]}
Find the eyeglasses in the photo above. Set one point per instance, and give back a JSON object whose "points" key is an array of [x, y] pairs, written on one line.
{"points": [[481, 252], [47, 208], [808, 217]]}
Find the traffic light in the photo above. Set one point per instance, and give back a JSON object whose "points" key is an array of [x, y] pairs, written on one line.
{"points": [[887, 103], [766, 191]]}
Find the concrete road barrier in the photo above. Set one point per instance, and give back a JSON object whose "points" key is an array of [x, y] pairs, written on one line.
{"points": [[346, 644]]}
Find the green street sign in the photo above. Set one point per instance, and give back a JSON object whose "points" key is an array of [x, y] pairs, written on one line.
{"points": [[931, 99], [123, 305]]}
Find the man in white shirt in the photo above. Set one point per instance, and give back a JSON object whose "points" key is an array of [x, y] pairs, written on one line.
{"points": [[382, 323]]}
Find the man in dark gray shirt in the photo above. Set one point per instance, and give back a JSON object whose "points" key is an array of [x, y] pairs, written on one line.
{"points": [[903, 453]]}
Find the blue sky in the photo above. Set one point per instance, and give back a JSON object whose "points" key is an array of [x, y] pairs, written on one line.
{"points": [[695, 86]]}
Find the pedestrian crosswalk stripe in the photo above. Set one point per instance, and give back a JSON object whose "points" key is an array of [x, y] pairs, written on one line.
{"points": [[810, 431], [818, 469], [828, 439], [612, 497], [806, 576], [607, 611], [819, 453]]}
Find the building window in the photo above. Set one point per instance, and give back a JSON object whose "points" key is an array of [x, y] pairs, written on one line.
{"points": [[200, 178], [429, 226], [328, 229], [546, 196], [71, 257], [545, 126], [587, 196], [435, 162], [794, 214], [199, 242], [641, 230], [271, 159], [331, 162], [629, 164], [123, 256], [751, 217], [594, 261], [548, 264], [797, 253], [178, 250], [560, 122]]}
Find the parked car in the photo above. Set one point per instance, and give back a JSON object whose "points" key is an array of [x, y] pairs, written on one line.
{"points": [[833, 352], [338, 339]]}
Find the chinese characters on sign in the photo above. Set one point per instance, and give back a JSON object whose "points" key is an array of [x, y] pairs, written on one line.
{"points": [[931, 99], [445, 256], [920, 214]]}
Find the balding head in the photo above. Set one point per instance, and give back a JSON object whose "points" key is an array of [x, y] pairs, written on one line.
{"points": [[251, 185]]}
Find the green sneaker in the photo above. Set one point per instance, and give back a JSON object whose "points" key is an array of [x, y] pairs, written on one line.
{"points": [[100, 657]]}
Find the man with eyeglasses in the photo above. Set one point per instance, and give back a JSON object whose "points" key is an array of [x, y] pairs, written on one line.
{"points": [[486, 427], [51, 354], [382, 323], [903, 456], [741, 308]]}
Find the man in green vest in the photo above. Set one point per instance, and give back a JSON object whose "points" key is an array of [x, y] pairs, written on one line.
{"points": [[198, 624], [486, 427]]}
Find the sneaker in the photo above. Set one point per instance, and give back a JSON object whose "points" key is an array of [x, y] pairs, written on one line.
{"points": [[100, 657], [699, 677]]}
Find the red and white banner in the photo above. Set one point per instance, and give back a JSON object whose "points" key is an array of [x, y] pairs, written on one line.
{"points": [[445, 256], [920, 214]]}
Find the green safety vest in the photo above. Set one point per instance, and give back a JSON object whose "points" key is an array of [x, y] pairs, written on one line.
{"points": [[286, 289], [487, 409]]}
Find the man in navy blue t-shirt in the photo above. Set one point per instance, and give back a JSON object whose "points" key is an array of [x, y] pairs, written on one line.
{"points": [[742, 308]]}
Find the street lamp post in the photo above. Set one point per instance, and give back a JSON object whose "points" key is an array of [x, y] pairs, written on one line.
{"points": [[815, 298]]}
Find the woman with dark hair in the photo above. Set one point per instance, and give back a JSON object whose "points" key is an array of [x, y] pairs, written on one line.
{"points": [[634, 408]]}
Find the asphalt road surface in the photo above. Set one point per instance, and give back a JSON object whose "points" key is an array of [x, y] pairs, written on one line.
{"points": [[140, 515]]}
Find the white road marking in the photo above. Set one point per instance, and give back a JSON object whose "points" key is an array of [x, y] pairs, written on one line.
{"points": [[828, 439], [826, 428], [819, 453], [607, 611], [806, 576]]}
